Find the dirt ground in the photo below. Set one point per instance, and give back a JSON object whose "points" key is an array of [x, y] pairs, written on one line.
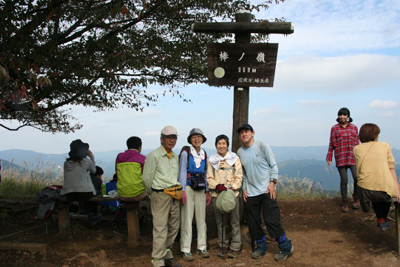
{"points": [[321, 234]]}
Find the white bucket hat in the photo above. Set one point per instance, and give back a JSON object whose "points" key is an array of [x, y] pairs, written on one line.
{"points": [[226, 201]]}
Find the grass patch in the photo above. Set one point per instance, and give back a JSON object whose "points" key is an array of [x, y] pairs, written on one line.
{"points": [[30, 179], [297, 188]]}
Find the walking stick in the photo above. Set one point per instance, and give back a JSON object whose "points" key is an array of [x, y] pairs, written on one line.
{"points": [[223, 238]]}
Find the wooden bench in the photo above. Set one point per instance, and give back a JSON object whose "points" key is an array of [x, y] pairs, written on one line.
{"points": [[132, 216]]}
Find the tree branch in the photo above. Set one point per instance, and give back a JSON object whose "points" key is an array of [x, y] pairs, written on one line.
{"points": [[15, 129], [68, 101]]}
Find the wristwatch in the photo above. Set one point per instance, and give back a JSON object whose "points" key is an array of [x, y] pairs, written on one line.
{"points": [[272, 181]]}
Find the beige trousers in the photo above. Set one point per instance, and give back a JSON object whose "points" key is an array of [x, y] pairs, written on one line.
{"points": [[195, 205], [165, 212], [234, 216]]}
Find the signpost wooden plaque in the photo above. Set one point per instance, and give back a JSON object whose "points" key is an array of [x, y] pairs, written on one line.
{"points": [[241, 64]]}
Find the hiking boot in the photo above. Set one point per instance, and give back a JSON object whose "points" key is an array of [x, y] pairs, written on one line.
{"points": [[187, 256], [257, 254], [172, 263], [384, 226], [203, 253], [345, 206], [281, 256], [233, 253], [261, 249], [222, 252], [356, 202]]}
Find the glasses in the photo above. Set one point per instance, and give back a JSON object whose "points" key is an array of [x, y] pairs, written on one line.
{"points": [[197, 137], [171, 137]]}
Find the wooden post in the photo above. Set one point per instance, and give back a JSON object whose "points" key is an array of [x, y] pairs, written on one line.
{"points": [[132, 218], [240, 94], [243, 27], [241, 98], [64, 221]]}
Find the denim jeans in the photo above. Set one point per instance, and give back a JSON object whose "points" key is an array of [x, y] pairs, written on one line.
{"points": [[344, 180]]}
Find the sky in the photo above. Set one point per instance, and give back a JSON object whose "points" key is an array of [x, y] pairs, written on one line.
{"points": [[342, 54]]}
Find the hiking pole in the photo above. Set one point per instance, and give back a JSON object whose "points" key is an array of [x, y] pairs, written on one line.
{"points": [[223, 238]]}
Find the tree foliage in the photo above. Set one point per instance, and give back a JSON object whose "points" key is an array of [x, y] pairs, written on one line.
{"points": [[99, 53]]}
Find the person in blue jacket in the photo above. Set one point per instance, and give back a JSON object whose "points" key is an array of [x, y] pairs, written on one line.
{"points": [[195, 197], [260, 172]]}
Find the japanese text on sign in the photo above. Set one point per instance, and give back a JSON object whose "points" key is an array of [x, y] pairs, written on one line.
{"points": [[241, 64]]}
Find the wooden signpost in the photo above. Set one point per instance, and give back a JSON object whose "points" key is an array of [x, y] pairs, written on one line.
{"points": [[242, 64]]}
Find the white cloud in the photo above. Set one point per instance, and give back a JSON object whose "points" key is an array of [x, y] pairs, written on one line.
{"points": [[331, 27], [380, 104], [273, 110], [314, 103], [336, 74]]}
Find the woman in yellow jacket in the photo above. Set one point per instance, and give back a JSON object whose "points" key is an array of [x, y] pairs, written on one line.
{"points": [[377, 177], [224, 172]]}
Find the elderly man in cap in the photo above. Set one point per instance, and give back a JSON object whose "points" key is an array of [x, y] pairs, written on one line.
{"points": [[260, 172], [161, 171]]}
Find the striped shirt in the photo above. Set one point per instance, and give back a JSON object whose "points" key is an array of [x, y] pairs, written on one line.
{"points": [[159, 171], [343, 140]]}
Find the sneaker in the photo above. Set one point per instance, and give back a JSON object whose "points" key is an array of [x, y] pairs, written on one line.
{"points": [[203, 253], [345, 206], [172, 263], [283, 256], [222, 252], [356, 202], [187, 256], [257, 254], [384, 226], [233, 253]]}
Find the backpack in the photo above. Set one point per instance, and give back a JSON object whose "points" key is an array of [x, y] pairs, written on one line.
{"points": [[46, 200], [196, 181]]}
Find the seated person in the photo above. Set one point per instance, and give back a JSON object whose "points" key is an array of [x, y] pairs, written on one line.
{"points": [[96, 180], [78, 185], [377, 177], [112, 185], [129, 169]]}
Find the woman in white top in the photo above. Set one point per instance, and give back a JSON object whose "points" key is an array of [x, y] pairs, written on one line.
{"points": [[224, 172]]}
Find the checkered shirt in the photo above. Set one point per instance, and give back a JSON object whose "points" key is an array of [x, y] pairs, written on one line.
{"points": [[343, 140]]}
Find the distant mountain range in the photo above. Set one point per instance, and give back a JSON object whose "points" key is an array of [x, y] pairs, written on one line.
{"points": [[5, 164], [297, 162]]}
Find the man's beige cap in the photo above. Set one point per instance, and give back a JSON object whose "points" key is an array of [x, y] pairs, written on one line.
{"points": [[169, 130]]}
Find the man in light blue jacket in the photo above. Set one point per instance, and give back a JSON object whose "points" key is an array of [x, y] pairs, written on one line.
{"points": [[260, 172]]}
